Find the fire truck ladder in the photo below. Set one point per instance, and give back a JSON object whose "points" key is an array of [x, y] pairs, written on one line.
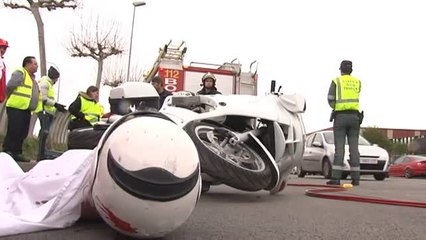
{"points": [[173, 51]]}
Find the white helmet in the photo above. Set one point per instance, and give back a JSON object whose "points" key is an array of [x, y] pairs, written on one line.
{"points": [[147, 179]]}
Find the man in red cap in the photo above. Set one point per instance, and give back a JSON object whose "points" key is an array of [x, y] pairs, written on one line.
{"points": [[3, 47]]}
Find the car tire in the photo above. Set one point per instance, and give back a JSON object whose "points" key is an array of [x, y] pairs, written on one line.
{"points": [[300, 172], [408, 173], [326, 168], [380, 176]]}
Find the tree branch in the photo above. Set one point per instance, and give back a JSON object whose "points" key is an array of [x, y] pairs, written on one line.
{"points": [[53, 4], [11, 5]]}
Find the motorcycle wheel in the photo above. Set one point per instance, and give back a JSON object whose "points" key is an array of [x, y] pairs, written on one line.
{"points": [[238, 166], [84, 138]]}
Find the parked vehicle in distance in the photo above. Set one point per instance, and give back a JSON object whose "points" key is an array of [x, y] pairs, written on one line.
{"points": [[408, 166], [319, 155]]}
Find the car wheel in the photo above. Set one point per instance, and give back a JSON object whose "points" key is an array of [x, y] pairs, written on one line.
{"points": [[408, 173], [300, 172], [326, 168], [380, 176]]}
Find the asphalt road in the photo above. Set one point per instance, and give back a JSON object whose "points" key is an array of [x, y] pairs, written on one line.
{"points": [[226, 213]]}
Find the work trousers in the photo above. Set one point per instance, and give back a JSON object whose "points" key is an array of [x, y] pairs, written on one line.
{"points": [[18, 124], [46, 120], [346, 126]]}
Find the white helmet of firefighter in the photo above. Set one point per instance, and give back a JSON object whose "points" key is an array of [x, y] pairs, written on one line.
{"points": [[209, 76], [147, 180]]}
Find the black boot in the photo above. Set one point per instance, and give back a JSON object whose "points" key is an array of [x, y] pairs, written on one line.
{"points": [[355, 182], [333, 182]]}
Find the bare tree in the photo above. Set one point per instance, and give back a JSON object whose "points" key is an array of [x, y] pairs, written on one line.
{"points": [[34, 8], [98, 42], [115, 72]]}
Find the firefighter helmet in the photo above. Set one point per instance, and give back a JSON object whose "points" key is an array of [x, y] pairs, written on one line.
{"points": [[207, 76], [4, 43], [147, 180]]}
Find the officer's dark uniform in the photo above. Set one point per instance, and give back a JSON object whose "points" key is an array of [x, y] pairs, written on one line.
{"points": [[343, 97]]}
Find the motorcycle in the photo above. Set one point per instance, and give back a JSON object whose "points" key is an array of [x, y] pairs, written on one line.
{"points": [[247, 142]]}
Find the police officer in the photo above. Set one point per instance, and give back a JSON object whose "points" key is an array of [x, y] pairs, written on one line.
{"points": [[23, 97], [343, 97], [209, 85]]}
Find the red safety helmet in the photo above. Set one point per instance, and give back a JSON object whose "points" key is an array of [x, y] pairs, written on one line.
{"points": [[4, 43]]}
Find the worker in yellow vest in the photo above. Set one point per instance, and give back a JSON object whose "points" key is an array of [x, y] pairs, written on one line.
{"points": [[86, 109], [343, 98], [23, 97], [49, 108], [48, 97]]}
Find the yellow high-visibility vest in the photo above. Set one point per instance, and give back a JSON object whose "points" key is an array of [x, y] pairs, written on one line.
{"points": [[50, 94], [21, 96], [92, 110], [347, 93]]}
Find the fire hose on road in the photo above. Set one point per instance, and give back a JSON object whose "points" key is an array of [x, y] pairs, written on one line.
{"points": [[323, 191]]}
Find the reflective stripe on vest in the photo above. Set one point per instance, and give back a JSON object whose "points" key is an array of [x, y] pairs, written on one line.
{"points": [[50, 94], [21, 96], [92, 110], [347, 93]]}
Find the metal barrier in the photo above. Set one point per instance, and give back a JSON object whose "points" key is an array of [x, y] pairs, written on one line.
{"points": [[58, 133]]}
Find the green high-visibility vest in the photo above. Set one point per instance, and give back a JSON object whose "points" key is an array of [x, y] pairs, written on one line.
{"points": [[347, 93]]}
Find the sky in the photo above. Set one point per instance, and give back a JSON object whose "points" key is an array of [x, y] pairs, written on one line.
{"points": [[298, 43]]}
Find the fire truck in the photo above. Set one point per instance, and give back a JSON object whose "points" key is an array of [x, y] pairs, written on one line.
{"points": [[230, 79]]}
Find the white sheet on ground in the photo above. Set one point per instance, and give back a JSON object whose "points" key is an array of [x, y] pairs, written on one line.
{"points": [[48, 196]]}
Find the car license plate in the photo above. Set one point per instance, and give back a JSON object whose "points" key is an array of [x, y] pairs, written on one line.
{"points": [[368, 161]]}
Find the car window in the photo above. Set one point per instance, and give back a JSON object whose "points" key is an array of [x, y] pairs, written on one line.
{"points": [[329, 138], [318, 138], [399, 160], [309, 140], [418, 158]]}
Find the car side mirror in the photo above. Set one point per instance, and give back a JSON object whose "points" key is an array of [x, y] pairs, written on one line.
{"points": [[316, 144]]}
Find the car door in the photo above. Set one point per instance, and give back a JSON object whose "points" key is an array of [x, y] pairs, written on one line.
{"points": [[315, 153], [307, 153], [396, 169]]}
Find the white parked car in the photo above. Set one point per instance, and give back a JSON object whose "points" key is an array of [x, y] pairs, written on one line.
{"points": [[319, 155]]}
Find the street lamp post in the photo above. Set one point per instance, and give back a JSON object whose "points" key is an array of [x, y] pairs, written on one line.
{"points": [[135, 4]]}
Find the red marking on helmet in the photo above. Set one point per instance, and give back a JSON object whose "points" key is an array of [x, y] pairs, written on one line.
{"points": [[118, 222]]}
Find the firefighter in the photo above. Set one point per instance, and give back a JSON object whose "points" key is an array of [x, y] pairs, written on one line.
{"points": [[86, 109], [23, 97], [343, 98], [3, 47], [209, 85]]}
